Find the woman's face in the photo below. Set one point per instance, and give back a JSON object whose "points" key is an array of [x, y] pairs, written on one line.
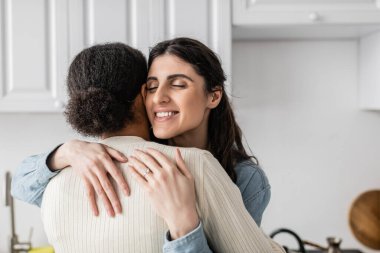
{"points": [[176, 100]]}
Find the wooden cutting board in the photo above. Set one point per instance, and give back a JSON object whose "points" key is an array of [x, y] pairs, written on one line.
{"points": [[364, 219]]}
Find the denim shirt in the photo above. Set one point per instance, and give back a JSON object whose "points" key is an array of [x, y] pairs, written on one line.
{"points": [[32, 176]]}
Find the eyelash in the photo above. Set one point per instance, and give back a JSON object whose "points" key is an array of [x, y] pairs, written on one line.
{"points": [[151, 90], [179, 85], [173, 85]]}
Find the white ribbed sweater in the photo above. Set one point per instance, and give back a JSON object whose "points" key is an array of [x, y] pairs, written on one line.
{"points": [[71, 227]]}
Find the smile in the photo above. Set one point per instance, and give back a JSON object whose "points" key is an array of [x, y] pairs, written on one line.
{"points": [[164, 115]]}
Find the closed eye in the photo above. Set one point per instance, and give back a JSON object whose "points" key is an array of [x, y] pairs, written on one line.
{"points": [[151, 89], [151, 85], [177, 83]]}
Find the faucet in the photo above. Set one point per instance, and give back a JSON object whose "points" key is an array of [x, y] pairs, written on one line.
{"points": [[15, 246]]}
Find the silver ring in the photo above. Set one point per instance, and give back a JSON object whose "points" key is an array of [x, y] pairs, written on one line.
{"points": [[146, 172]]}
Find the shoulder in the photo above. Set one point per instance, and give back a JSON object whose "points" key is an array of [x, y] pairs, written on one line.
{"points": [[251, 179]]}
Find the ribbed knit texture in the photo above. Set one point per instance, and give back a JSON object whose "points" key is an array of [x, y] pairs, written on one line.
{"points": [[71, 226]]}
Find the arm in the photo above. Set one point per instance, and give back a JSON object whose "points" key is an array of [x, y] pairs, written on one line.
{"points": [[228, 225], [255, 190], [171, 191], [92, 161], [160, 185], [193, 242], [254, 187], [31, 178]]}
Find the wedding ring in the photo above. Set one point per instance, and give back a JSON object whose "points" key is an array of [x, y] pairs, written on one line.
{"points": [[147, 171]]}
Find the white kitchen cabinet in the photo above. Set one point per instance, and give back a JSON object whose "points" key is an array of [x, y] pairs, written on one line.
{"points": [[38, 39], [33, 55], [250, 12], [268, 19]]}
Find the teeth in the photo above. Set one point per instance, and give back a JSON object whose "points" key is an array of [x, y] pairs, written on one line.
{"points": [[164, 114]]}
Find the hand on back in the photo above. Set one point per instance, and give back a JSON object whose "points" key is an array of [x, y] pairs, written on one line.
{"points": [[170, 188], [94, 163]]}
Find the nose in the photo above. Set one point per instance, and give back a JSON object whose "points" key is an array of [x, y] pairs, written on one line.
{"points": [[161, 95]]}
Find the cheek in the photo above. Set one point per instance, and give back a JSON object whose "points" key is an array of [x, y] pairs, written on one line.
{"points": [[195, 112], [148, 105]]}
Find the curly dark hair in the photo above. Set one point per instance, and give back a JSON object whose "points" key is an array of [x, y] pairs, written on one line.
{"points": [[103, 82]]}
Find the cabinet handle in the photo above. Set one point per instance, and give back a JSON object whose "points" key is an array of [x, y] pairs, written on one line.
{"points": [[314, 16]]}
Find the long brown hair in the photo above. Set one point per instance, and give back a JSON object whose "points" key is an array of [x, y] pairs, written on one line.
{"points": [[224, 134]]}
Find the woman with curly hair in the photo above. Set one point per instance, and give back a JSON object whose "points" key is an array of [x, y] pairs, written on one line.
{"points": [[186, 104]]}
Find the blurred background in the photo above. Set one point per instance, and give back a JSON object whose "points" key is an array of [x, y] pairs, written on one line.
{"points": [[304, 77]]}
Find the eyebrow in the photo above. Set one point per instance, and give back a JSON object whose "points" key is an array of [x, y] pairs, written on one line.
{"points": [[170, 77]]}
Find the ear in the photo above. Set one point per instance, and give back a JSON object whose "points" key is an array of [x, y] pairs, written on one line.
{"points": [[214, 98], [143, 91]]}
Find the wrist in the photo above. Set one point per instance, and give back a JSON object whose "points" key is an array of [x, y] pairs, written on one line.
{"points": [[183, 225], [57, 160]]}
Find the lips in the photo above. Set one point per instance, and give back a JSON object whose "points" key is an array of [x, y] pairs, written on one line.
{"points": [[162, 116]]}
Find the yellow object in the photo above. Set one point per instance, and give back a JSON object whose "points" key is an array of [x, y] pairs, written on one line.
{"points": [[47, 249]]}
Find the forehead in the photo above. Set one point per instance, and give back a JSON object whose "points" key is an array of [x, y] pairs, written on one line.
{"points": [[168, 64]]}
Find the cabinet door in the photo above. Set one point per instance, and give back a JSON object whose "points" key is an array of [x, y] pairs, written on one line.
{"points": [[33, 55], [100, 21], [282, 12], [206, 20]]}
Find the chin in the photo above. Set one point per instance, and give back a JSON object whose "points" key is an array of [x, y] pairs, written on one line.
{"points": [[162, 134]]}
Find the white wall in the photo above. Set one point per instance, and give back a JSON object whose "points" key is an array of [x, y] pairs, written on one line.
{"points": [[297, 104], [22, 135]]}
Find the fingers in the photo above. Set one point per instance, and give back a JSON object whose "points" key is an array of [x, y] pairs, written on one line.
{"points": [[147, 160], [102, 194], [137, 164], [117, 175], [139, 178], [160, 158], [91, 196], [109, 190], [120, 157], [181, 164]]}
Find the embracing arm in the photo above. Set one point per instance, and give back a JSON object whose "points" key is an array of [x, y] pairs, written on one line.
{"points": [[227, 223], [254, 187], [31, 178], [92, 161], [255, 190], [221, 199]]}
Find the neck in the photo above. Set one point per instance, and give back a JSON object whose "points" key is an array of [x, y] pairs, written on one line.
{"points": [[137, 130], [138, 127]]}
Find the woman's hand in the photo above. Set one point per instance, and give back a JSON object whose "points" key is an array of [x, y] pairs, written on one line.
{"points": [[93, 162], [170, 188]]}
